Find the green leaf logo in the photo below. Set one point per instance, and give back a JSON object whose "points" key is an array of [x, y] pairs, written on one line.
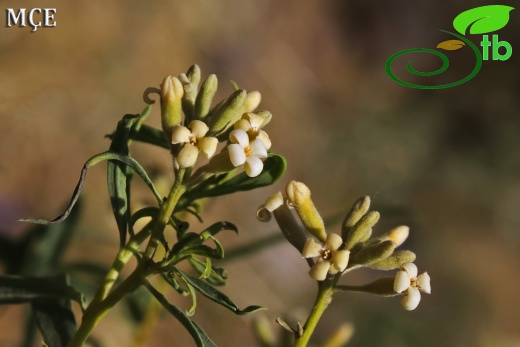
{"points": [[482, 20]]}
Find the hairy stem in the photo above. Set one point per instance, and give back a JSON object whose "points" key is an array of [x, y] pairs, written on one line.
{"points": [[324, 298], [105, 299]]}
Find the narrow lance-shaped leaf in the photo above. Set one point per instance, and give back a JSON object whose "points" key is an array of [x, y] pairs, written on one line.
{"points": [[483, 19], [119, 176], [18, 290], [215, 295], [91, 162], [199, 336], [274, 167]]}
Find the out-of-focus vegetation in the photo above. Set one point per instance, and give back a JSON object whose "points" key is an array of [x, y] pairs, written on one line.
{"points": [[445, 162]]}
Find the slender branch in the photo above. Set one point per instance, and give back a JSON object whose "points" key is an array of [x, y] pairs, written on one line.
{"points": [[323, 300]]}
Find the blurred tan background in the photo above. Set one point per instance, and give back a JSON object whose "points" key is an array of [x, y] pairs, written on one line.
{"points": [[445, 162]]}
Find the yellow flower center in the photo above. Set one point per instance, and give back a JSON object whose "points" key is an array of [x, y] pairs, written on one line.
{"points": [[193, 139], [248, 151], [327, 254]]}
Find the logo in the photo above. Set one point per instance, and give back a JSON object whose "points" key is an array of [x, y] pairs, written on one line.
{"points": [[479, 20]]}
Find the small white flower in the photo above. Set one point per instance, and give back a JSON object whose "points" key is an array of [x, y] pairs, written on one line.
{"points": [[407, 279], [241, 152], [194, 141], [251, 123], [331, 260]]}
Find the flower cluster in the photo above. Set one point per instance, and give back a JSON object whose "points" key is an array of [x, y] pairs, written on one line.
{"points": [[355, 248], [194, 127]]}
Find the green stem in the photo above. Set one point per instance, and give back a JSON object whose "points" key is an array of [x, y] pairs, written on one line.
{"points": [[324, 298], [104, 299], [95, 312]]}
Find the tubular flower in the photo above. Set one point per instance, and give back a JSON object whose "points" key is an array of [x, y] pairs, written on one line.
{"points": [[252, 123], [194, 142], [331, 259], [407, 279], [241, 151]]}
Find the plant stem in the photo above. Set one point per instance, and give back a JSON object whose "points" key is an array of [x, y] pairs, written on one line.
{"points": [[104, 299], [324, 298]]}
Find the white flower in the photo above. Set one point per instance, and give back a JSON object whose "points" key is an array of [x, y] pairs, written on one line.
{"points": [[251, 123], [194, 142], [242, 152], [407, 279], [331, 260]]}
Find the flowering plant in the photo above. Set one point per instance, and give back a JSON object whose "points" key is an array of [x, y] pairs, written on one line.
{"points": [[208, 144]]}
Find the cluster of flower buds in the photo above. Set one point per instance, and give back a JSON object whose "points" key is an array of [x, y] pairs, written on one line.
{"points": [[355, 248], [193, 126]]}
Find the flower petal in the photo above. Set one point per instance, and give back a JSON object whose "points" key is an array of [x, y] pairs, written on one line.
{"points": [[320, 270], [254, 166], [262, 135], [333, 241], [198, 128], [340, 260], [188, 155], [273, 202], [423, 283], [411, 269], [236, 154], [401, 281], [254, 119], [258, 148], [180, 134], [412, 299], [208, 146], [311, 249], [242, 124], [239, 136]]}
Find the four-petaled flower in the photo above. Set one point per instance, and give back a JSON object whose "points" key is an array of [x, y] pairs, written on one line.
{"points": [[407, 279], [194, 141], [251, 123], [241, 151], [331, 259]]}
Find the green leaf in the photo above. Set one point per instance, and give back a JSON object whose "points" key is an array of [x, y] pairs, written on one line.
{"points": [[482, 20], [119, 176], [55, 320], [215, 295], [217, 276], [199, 336], [132, 163], [274, 167], [170, 279], [18, 290]]}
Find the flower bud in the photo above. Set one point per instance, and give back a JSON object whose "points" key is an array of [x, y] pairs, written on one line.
{"points": [[190, 80], [373, 253], [227, 113], [398, 235], [171, 108], [251, 102], [394, 260], [359, 209], [359, 231], [205, 97], [299, 196]]}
